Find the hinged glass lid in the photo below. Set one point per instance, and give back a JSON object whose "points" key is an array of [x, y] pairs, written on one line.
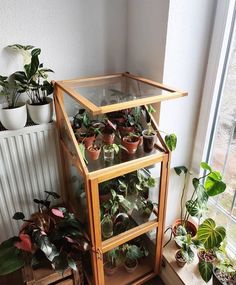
{"points": [[110, 93]]}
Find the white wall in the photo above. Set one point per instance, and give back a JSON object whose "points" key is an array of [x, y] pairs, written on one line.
{"points": [[176, 55], [77, 37], [147, 30], [188, 39]]}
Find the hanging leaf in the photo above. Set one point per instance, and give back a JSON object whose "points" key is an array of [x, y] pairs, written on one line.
{"points": [[213, 185], [205, 166], [58, 213], [18, 216], [171, 141], [206, 270], [72, 263], [53, 194]]}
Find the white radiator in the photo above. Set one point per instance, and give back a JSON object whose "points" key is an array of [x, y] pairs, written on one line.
{"points": [[29, 165]]}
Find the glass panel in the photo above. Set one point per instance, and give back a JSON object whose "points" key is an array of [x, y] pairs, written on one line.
{"points": [[136, 257], [110, 91], [75, 192], [128, 201]]}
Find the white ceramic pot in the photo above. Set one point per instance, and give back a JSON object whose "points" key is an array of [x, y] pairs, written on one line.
{"points": [[41, 114], [14, 119]]}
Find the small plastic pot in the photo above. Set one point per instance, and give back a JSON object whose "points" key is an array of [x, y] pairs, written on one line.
{"points": [[148, 141]]}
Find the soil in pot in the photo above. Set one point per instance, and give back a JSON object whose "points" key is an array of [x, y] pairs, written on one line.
{"points": [[94, 152], [148, 141], [131, 265], [109, 268], [130, 143], [223, 278], [125, 130], [179, 259], [207, 256]]}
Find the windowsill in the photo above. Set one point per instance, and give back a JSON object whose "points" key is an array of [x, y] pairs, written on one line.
{"points": [[189, 273]]}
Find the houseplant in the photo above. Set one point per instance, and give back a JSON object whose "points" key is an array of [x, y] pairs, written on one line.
{"points": [[109, 151], [112, 260], [108, 131], [130, 142], [13, 110], [224, 272], [94, 151], [187, 244], [208, 185], [132, 254], [211, 238], [53, 236], [33, 81]]}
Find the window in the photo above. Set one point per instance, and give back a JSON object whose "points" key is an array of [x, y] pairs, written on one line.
{"points": [[216, 134], [222, 146]]}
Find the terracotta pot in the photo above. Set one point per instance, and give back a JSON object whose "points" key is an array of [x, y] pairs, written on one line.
{"points": [[108, 138], [206, 256], [130, 143], [129, 268], [179, 259], [41, 114], [15, 118], [190, 227], [148, 141], [94, 152], [88, 141]]}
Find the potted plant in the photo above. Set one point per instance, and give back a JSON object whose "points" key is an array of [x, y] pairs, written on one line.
{"points": [[224, 272], [146, 207], [33, 81], [112, 260], [109, 151], [132, 254], [130, 142], [54, 236], [208, 185], [128, 125], [211, 237], [94, 151], [108, 132], [14, 115], [186, 252]]}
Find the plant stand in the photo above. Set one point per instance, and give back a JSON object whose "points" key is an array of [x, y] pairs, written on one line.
{"points": [[46, 276]]}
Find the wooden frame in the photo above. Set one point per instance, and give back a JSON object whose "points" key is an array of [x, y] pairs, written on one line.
{"points": [[93, 178]]}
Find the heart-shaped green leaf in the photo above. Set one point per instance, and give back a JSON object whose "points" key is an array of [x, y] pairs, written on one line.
{"points": [[171, 141]]}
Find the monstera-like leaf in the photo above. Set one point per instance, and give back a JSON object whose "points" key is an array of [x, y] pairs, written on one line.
{"points": [[210, 235]]}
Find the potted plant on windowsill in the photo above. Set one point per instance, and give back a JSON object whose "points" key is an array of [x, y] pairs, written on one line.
{"points": [[208, 185], [14, 116], [33, 81], [224, 272], [211, 238]]}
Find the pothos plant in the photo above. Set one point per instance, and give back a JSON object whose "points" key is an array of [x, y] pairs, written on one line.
{"points": [[208, 185], [55, 236]]}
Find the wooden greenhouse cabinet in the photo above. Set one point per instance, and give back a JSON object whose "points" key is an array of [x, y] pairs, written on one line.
{"points": [[94, 94]]}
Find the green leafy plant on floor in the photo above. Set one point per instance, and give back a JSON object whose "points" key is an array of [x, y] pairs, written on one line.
{"points": [[54, 236]]}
